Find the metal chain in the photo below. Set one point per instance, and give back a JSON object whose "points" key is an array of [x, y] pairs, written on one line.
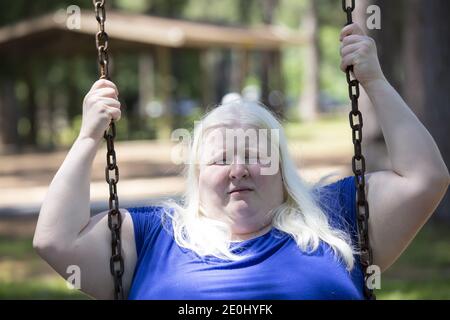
{"points": [[116, 263], [359, 168]]}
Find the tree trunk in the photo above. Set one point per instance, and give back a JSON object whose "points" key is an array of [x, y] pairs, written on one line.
{"points": [[413, 86], [223, 73], [427, 53], [8, 118], [271, 77], [206, 76], [146, 89], [245, 9], [32, 110], [309, 101], [164, 64], [237, 70]]}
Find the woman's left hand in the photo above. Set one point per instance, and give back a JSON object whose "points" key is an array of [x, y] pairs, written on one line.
{"points": [[360, 50]]}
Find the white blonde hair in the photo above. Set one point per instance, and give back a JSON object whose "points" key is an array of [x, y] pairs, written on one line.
{"points": [[299, 215]]}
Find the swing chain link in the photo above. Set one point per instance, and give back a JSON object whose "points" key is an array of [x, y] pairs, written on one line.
{"points": [[359, 168], [116, 263], [101, 38]]}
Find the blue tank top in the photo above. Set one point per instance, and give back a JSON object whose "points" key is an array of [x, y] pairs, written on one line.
{"points": [[275, 269]]}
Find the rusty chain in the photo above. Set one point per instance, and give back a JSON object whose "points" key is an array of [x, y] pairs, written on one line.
{"points": [[116, 262], [359, 168]]}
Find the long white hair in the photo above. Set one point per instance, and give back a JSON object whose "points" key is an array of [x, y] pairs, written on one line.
{"points": [[299, 215]]}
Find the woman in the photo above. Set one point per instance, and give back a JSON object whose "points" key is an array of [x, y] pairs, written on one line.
{"points": [[247, 231]]}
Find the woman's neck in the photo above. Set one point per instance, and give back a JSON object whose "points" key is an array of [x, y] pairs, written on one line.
{"points": [[238, 237]]}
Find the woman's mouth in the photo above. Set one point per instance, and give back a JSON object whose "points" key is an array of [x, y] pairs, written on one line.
{"points": [[240, 190]]}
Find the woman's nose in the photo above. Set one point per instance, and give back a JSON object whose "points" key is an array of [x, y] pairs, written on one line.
{"points": [[238, 171]]}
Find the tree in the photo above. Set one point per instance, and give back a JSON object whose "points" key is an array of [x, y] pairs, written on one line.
{"points": [[427, 81], [309, 102], [271, 78], [9, 137]]}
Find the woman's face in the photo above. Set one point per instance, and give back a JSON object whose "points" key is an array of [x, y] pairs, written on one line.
{"points": [[233, 185]]}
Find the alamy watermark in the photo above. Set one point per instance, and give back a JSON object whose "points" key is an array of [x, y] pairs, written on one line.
{"points": [[373, 281], [374, 21], [227, 146], [71, 17], [74, 279]]}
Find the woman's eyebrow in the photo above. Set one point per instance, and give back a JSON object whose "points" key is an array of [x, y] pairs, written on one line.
{"points": [[213, 154], [220, 152]]}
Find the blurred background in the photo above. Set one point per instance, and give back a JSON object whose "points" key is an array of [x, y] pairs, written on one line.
{"points": [[172, 60]]}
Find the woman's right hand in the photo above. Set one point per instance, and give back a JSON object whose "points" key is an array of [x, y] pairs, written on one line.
{"points": [[100, 106]]}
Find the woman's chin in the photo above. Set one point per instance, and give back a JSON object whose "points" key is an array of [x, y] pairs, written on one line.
{"points": [[241, 208]]}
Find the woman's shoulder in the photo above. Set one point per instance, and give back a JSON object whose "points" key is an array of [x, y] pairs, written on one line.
{"points": [[147, 210], [148, 221], [150, 215], [338, 200], [338, 183], [341, 191]]}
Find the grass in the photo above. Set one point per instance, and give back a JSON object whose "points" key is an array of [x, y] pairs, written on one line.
{"points": [[325, 137], [430, 289], [15, 248], [423, 270], [24, 275], [336, 126], [50, 288]]}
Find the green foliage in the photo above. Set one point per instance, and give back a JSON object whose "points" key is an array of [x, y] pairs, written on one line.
{"points": [[291, 13], [54, 288], [186, 70], [293, 71], [331, 129], [433, 288], [12, 11], [330, 19], [15, 248], [23, 126], [133, 5], [188, 122], [333, 80], [330, 13], [21, 91], [126, 75], [67, 136], [219, 11], [165, 8], [422, 270], [252, 80]]}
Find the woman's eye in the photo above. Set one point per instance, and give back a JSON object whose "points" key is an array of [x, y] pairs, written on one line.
{"points": [[222, 161], [252, 159], [264, 161]]}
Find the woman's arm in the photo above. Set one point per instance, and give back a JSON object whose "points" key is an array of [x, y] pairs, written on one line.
{"points": [[65, 210], [411, 148], [402, 199], [65, 234]]}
